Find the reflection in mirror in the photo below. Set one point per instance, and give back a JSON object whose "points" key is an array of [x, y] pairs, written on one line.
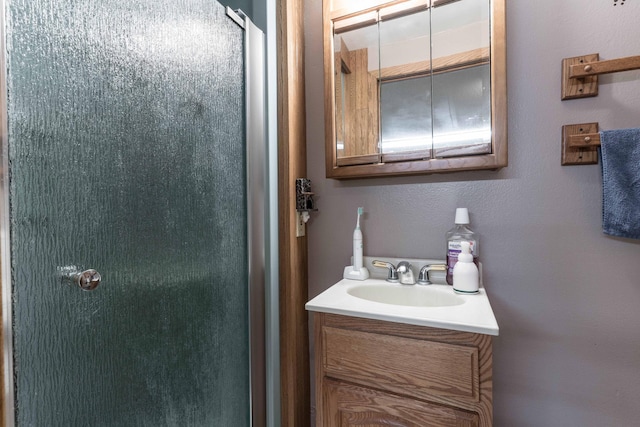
{"points": [[461, 96], [405, 87], [356, 94], [462, 112], [405, 117], [414, 86]]}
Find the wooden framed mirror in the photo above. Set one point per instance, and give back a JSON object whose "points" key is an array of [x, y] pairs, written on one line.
{"points": [[414, 86]]}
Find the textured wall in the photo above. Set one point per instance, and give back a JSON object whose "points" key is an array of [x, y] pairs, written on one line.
{"points": [[566, 296]]}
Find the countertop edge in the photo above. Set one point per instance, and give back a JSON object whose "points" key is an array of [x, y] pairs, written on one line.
{"points": [[486, 330]]}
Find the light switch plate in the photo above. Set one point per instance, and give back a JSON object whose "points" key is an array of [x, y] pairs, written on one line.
{"points": [[300, 225]]}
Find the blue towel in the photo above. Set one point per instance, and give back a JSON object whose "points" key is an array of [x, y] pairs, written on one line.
{"points": [[620, 150]]}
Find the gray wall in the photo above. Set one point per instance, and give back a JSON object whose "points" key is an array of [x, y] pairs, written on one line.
{"points": [[567, 298]]}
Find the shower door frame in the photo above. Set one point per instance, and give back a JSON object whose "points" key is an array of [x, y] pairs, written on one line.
{"points": [[262, 234], [7, 408]]}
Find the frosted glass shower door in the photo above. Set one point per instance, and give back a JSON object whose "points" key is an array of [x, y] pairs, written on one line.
{"points": [[126, 129]]}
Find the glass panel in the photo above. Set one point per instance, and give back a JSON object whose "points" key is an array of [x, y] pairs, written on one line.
{"points": [[405, 90], [126, 133], [461, 98], [462, 112], [357, 65]]}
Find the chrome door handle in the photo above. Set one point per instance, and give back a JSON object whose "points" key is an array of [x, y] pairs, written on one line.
{"points": [[86, 280]]}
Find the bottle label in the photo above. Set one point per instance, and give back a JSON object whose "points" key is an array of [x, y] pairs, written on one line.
{"points": [[456, 246]]}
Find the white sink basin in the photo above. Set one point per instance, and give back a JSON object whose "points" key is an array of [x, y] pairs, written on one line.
{"points": [[407, 295], [431, 305]]}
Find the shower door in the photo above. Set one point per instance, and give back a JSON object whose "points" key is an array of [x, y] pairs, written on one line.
{"points": [[126, 136]]}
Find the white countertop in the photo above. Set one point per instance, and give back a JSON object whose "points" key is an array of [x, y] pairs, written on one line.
{"points": [[473, 315]]}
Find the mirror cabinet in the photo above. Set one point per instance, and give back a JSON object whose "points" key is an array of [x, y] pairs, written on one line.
{"points": [[414, 86]]}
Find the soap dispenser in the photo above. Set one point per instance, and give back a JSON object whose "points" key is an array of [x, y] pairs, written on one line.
{"points": [[466, 278]]}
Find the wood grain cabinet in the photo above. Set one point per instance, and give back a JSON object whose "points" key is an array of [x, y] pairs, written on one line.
{"points": [[376, 373], [414, 86]]}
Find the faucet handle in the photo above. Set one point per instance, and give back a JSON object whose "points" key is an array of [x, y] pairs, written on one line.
{"points": [[423, 277], [393, 273]]}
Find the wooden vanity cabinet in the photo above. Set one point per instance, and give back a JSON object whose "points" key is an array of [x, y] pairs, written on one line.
{"points": [[376, 373]]}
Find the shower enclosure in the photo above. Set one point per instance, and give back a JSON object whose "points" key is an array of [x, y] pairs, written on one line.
{"points": [[135, 198]]}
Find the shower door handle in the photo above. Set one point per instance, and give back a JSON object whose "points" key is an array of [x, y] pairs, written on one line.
{"points": [[86, 280]]}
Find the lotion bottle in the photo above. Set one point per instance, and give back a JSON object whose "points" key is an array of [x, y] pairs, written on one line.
{"points": [[466, 278]]}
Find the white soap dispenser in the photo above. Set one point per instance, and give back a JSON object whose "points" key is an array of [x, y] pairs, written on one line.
{"points": [[357, 271], [466, 278]]}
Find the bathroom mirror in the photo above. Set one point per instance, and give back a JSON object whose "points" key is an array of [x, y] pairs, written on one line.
{"points": [[414, 86]]}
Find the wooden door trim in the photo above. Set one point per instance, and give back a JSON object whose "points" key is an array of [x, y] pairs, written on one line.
{"points": [[294, 333]]}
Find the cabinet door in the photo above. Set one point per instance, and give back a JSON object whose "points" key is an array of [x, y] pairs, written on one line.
{"points": [[347, 405]]}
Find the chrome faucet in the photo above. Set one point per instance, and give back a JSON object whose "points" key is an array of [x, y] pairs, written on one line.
{"points": [[402, 274], [423, 277], [405, 275]]}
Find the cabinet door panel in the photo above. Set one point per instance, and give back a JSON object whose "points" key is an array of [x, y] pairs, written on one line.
{"points": [[357, 406], [423, 369]]}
